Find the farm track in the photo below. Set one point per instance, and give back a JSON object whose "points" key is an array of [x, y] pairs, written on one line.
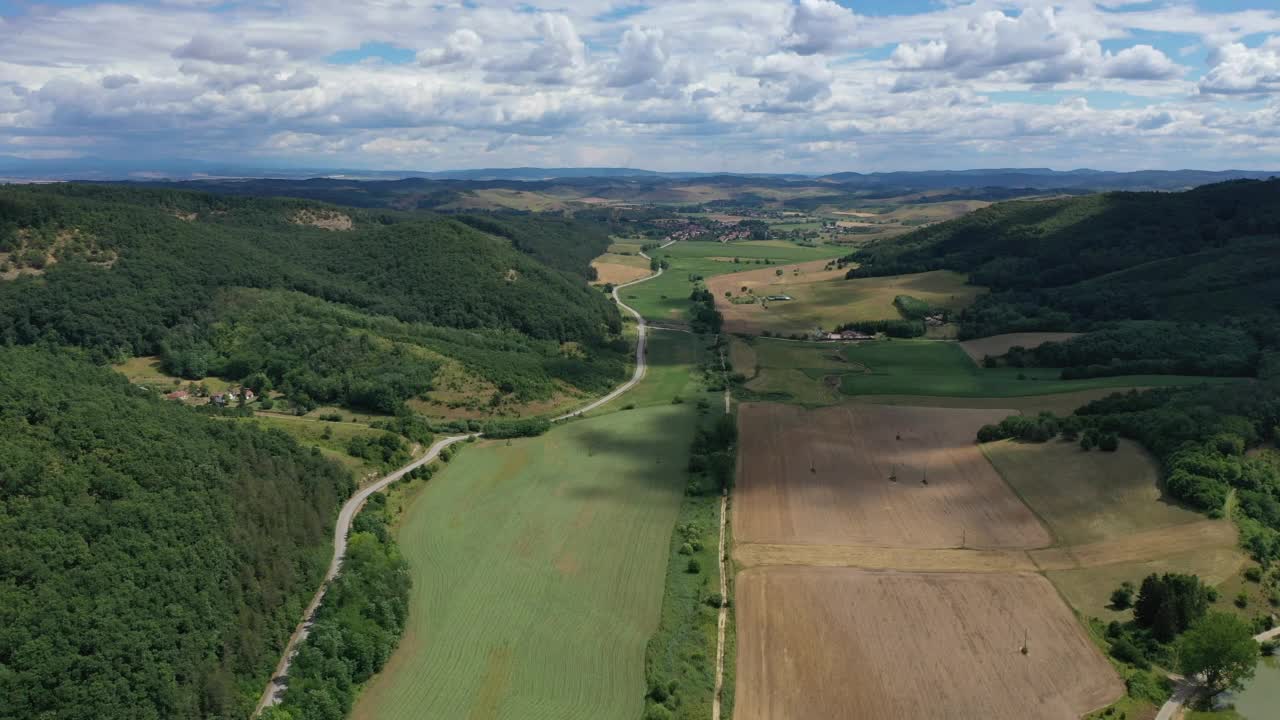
{"points": [[278, 683]]}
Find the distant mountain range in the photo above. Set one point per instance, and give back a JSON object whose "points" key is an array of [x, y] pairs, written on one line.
{"points": [[20, 170]]}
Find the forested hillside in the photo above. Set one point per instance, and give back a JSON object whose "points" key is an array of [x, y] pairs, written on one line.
{"points": [[1207, 259], [154, 559], [181, 262]]}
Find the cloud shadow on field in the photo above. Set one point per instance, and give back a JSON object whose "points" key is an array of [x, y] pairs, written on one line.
{"points": [[652, 449]]}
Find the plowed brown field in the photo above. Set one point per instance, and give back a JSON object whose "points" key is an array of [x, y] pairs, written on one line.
{"points": [[827, 643], [823, 477]]}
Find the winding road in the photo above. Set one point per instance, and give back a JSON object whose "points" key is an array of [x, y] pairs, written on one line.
{"points": [[274, 691]]}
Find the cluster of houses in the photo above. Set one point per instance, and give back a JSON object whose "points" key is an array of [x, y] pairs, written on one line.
{"points": [[845, 336], [221, 399]]}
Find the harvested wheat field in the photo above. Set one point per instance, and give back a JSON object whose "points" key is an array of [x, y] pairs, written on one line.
{"points": [[619, 269], [823, 477], [842, 643], [998, 345]]}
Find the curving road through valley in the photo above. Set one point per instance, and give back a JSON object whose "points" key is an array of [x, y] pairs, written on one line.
{"points": [[280, 678]]}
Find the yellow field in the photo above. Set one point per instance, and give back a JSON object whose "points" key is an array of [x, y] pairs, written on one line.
{"points": [[618, 269], [825, 299]]}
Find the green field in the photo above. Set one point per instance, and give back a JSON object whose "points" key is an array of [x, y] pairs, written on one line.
{"points": [[538, 573], [667, 297], [673, 359], [813, 373], [1087, 497], [927, 367]]}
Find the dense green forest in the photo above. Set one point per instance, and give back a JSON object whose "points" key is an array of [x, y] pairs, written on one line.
{"points": [[185, 267], [357, 626], [1209, 256], [1151, 347], [149, 567]]}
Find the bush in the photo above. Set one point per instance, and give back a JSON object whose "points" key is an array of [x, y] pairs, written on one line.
{"points": [[1269, 647], [1122, 597], [716, 600], [1124, 650], [694, 567], [1242, 600], [1109, 442], [1253, 574]]}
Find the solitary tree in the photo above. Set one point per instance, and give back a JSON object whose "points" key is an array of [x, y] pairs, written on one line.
{"points": [[1220, 647]]}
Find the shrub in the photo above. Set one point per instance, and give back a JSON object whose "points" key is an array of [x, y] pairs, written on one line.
{"points": [[694, 567], [1124, 650], [1253, 574], [1122, 597], [1242, 600], [686, 549]]}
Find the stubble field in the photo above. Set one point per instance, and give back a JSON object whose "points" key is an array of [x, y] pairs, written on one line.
{"points": [[825, 299], [824, 477], [845, 643]]}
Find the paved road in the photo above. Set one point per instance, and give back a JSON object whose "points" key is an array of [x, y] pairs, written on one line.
{"points": [[1187, 689], [279, 679]]}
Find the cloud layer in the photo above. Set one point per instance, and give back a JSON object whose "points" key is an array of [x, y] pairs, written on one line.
{"points": [[752, 85]]}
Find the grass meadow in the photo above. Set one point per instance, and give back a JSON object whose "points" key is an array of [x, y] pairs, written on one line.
{"points": [[667, 298]]}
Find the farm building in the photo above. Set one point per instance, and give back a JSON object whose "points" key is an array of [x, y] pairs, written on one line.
{"points": [[778, 298], [178, 395]]}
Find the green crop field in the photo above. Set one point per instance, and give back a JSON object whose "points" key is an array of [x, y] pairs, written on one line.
{"points": [[667, 297], [538, 572], [812, 373], [673, 358], [927, 367]]}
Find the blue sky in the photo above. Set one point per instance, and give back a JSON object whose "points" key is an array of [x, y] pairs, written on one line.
{"points": [[749, 85]]}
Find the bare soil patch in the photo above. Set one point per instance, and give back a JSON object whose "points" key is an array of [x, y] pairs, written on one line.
{"points": [[324, 219], [826, 477], [841, 643], [998, 345]]}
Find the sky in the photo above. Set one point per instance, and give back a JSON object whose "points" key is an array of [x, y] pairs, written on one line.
{"points": [[807, 86]]}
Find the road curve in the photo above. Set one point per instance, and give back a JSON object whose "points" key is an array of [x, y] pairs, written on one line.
{"points": [[279, 679], [1187, 688]]}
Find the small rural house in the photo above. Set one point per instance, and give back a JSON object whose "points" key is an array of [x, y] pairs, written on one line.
{"points": [[178, 395]]}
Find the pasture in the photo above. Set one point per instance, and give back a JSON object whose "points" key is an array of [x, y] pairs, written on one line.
{"points": [[997, 345], [825, 299], [837, 642], [874, 475], [1087, 497], [1110, 521], [667, 297], [538, 570]]}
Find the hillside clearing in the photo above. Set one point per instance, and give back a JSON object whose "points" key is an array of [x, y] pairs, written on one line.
{"points": [[834, 642], [998, 345]]}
